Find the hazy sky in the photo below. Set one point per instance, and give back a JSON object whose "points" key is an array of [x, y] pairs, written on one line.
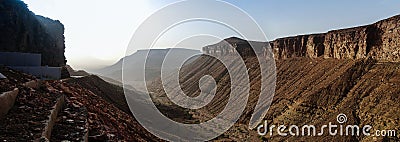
{"points": [[98, 31]]}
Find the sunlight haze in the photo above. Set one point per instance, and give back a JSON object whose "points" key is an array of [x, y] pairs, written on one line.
{"points": [[97, 32]]}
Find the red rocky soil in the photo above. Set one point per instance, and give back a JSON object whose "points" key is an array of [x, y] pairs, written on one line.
{"points": [[106, 122], [83, 113]]}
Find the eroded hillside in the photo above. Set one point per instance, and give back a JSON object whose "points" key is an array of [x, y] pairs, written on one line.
{"points": [[309, 91], [352, 71]]}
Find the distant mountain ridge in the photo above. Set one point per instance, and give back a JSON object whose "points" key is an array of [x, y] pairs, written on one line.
{"points": [[135, 63]]}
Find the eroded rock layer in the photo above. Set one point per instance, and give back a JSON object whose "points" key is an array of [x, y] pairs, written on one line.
{"points": [[379, 41]]}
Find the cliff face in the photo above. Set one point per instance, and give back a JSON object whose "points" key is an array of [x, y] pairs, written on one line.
{"points": [[228, 46], [379, 41], [23, 31], [315, 46], [387, 37], [347, 43], [290, 47]]}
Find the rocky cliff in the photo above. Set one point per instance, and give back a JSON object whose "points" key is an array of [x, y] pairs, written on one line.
{"points": [[23, 31], [227, 46], [378, 41]]}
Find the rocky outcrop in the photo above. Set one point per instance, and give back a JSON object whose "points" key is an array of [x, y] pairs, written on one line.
{"points": [[299, 46], [348, 43], [386, 38], [379, 41], [23, 31], [228, 46], [315, 46], [290, 47]]}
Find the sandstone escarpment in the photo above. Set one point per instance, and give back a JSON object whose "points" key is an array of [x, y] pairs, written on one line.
{"points": [[243, 47], [346, 44], [315, 46], [387, 37], [379, 41], [290, 47], [23, 31]]}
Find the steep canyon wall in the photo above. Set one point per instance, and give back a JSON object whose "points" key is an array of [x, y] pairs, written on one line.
{"points": [[380, 41]]}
